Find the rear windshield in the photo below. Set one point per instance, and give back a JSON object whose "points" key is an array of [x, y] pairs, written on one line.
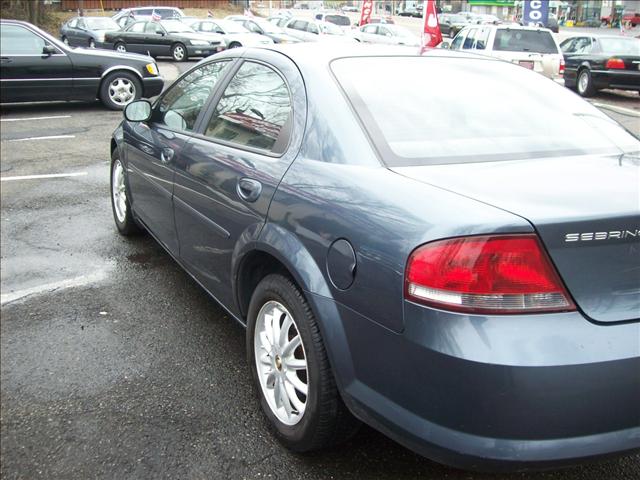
{"points": [[338, 20], [538, 41], [620, 46], [423, 111]]}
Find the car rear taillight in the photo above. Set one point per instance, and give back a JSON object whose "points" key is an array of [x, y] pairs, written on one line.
{"points": [[615, 64], [562, 65], [486, 274]]}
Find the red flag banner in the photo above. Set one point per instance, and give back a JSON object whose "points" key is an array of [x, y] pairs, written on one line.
{"points": [[365, 13], [431, 36]]}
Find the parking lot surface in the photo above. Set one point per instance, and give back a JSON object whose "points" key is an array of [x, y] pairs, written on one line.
{"points": [[114, 363]]}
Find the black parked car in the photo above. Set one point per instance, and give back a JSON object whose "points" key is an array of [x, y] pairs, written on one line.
{"points": [[36, 67], [87, 31], [164, 38], [593, 63]]}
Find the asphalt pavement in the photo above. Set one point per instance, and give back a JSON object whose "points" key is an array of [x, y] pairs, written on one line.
{"points": [[114, 363]]}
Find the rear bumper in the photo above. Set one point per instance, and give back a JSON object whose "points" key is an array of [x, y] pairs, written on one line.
{"points": [[152, 86], [619, 79], [493, 393]]}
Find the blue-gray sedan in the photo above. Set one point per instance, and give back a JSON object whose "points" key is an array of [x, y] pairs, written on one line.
{"points": [[444, 247]]}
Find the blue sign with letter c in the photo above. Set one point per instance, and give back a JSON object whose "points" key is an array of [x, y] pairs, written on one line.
{"points": [[536, 12]]}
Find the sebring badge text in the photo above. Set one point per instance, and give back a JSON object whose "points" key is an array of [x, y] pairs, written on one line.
{"points": [[614, 234]]}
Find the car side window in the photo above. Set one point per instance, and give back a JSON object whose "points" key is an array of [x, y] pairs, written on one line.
{"points": [[313, 28], [16, 40], [152, 27], [299, 25], [254, 110], [180, 106], [457, 42], [370, 29], [137, 27], [82, 24], [568, 46], [144, 11], [582, 45], [482, 36], [468, 42], [214, 27], [72, 23]]}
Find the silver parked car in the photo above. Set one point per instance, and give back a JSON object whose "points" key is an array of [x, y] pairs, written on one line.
{"points": [[386, 34], [234, 34]]}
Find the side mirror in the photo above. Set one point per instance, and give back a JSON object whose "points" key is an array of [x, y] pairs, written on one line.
{"points": [[160, 32], [138, 111], [49, 50]]}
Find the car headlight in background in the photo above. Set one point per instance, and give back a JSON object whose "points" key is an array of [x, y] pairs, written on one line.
{"points": [[200, 43], [152, 68]]}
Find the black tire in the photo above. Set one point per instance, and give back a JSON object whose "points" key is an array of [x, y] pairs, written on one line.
{"points": [[590, 89], [119, 45], [128, 225], [326, 420], [179, 52], [235, 45], [123, 76]]}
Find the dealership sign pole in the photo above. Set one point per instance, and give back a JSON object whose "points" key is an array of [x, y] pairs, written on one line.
{"points": [[365, 13], [536, 13], [431, 34]]}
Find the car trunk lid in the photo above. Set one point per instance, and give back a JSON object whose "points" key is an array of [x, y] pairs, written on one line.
{"points": [[586, 210]]}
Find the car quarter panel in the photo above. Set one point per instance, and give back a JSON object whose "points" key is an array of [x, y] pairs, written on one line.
{"points": [[337, 188]]}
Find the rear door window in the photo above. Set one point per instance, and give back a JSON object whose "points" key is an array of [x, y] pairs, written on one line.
{"points": [[537, 41], [254, 111], [137, 27], [468, 42], [73, 23], [482, 38]]}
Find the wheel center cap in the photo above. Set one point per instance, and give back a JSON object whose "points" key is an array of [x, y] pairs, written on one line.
{"points": [[278, 362]]}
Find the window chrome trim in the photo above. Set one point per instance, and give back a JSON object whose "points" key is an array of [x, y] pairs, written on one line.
{"points": [[44, 79]]}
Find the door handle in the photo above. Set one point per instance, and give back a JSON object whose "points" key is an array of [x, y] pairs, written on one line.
{"points": [[249, 189], [166, 155]]}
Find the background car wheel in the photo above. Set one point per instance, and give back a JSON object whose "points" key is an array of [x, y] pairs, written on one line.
{"points": [[179, 52], [584, 84], [235, 45], [122, 215], [92, 43], [119, 89], [65, 40], [120, 47], [291, 371]]}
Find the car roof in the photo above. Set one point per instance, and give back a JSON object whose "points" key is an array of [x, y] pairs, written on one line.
{"points": [[508, 27], [320, 54]]}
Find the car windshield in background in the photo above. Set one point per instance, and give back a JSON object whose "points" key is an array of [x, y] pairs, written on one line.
{"points": [[175, 26], [268, 27], [102, 24], [516, 40], [330, 28], [229, 26], [436, 118], [620, 46], [338, 20], [400, 31], [457, 19]]}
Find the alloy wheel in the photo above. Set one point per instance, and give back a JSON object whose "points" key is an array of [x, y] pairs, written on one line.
{"points": [[178, 53], [122, 91], [121, 48], [118, 191], [281, 362], [583, 82]]}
